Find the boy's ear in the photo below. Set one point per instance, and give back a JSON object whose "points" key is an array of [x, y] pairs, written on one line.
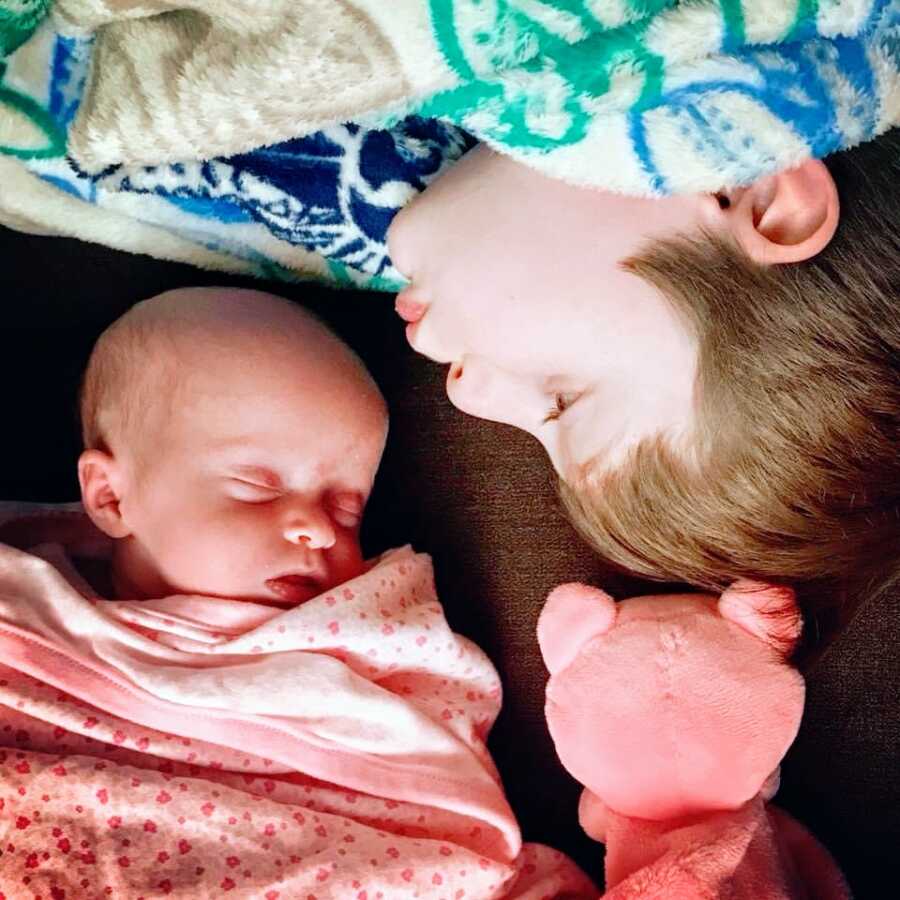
{"points": [[100, 477], [783, 218], [768, 612]]}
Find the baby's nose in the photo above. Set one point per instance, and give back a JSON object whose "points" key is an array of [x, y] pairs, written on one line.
{"points": [[310, 525]]}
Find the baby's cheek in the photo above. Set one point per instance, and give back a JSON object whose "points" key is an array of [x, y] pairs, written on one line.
{"points": [[243, 525], [210, 551], [346, 557]]}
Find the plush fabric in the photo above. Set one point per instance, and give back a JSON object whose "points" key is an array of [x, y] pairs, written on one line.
{"points": [[223, 123], [675, 711], [641, 97], [359, 710], [18, 19], [456, 486]]}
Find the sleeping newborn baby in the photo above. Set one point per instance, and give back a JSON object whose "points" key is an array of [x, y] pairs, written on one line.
{"points": [[274, 715], [232, 445]]}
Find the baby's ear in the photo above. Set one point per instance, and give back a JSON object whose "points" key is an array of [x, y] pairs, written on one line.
{"points": [[573, 614], [768, 612], [593, 816], [99, 477]]}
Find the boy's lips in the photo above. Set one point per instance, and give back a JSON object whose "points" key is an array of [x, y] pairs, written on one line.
{"points": [[408, 309], [294, 588]]}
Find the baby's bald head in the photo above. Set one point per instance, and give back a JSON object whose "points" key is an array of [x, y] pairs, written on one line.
{"points": [[132, 381], [130, 372]]}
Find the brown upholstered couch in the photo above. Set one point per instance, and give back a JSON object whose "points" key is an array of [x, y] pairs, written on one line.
{"points": [[481, 500]]}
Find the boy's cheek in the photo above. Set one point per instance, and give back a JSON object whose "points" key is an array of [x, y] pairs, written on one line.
{"points": [[404, 234]]}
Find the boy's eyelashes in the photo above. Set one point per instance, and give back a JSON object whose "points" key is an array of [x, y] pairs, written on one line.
{"points": [[561, 402]]}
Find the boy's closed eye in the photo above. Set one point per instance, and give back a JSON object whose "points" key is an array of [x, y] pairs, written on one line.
{"points": [[562, 401]]}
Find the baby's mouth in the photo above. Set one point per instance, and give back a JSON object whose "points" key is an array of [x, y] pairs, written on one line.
{"points": [[294, 588]]}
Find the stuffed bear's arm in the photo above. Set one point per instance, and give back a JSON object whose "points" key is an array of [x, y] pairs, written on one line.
{"points": [[662, 883], [729, 854]]}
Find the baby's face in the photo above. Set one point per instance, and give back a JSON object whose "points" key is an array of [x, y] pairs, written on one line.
{"points": [[255, 486], [516, 282]]}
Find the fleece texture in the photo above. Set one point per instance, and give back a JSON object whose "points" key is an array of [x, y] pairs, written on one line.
{"points": [[225, 121]]}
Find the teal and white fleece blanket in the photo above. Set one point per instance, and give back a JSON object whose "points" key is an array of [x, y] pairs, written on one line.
{"points": [[281, 136]]}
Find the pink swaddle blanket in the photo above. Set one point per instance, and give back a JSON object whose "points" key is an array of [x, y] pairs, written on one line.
{"points": [[198, 747]]}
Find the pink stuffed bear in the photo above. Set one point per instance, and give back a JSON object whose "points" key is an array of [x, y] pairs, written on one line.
{"points": [[675, 712]]}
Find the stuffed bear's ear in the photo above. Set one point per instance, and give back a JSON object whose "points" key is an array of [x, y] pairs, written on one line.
{"points": [[572, 615], [766, 611]]}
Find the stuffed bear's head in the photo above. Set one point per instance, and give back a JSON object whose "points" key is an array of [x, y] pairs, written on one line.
{"points": [[668, 706]]}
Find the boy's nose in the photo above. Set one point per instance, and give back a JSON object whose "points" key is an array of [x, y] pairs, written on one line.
{"points": [[481, 389], [310, 525]]}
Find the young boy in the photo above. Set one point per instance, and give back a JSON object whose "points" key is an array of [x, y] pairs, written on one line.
{"points": [[229, 698], [715, 377], [710, 418]]}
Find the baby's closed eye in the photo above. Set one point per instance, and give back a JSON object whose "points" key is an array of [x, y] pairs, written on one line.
{"points": [[346, 508], [251, 491]]}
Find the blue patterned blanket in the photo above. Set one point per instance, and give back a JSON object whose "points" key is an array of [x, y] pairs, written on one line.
{"points": [[643, 96]]}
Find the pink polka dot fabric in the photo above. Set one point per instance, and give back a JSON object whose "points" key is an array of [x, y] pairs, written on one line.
{"points": [[193, 747]]}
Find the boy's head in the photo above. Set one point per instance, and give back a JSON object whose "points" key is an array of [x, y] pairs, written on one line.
{"points": [[231, 445], [714, 377]]}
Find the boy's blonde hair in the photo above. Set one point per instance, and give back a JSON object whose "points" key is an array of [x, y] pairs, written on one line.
{"points": [[795, 475]]}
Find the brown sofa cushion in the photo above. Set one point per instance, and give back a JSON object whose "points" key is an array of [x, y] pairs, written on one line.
{"points": [[482, 501]]}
